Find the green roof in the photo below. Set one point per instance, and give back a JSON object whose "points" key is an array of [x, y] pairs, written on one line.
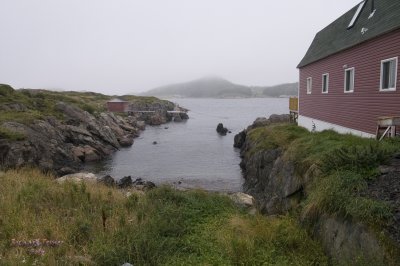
{"points": [[337, 37]]}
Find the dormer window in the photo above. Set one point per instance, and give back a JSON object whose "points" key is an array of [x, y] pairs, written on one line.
{"points": [[356, 15]]}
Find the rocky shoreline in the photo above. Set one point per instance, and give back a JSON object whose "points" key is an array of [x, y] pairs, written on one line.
{"points": [[62, 146]]}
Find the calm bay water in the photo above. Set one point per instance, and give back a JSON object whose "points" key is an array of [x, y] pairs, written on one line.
{"points": [[192, 153]]}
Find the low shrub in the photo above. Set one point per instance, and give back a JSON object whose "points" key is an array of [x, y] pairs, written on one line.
{"points": [[6, 90]]}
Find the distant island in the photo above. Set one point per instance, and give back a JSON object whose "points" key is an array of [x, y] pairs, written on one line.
{"points": [[215, 87]]}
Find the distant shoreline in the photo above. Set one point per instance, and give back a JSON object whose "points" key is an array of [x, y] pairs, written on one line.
{"points": [[230, 98]]}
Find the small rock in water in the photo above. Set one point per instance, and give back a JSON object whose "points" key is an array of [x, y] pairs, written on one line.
{"points": [[221, 129], [154, 142], [165, 127], [177, 118], [184, 116]]}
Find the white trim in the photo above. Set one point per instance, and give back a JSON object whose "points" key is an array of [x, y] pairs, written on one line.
{"points": [[327, 83], [395, 74], [319, 125], [309, 89], [345, 79]]}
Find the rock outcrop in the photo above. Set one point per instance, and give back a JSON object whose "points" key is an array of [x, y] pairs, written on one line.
{"points": [[159, 111], [271, 178], [63, 145], [125, 182], [78, 177]]}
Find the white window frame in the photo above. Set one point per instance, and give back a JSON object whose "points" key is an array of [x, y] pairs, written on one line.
{"points": [[396, 59], [327, 82], [345, 79], [309, 88]]}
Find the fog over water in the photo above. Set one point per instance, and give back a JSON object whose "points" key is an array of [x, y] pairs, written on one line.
{"points": [[128, 46]]}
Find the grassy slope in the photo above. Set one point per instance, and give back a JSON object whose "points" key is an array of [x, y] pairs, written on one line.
{"points": [[163, 227], [339, 166]]}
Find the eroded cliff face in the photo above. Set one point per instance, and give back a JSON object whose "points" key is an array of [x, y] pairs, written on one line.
{"points": [[269, 178], [278, 188], [62, 146]]}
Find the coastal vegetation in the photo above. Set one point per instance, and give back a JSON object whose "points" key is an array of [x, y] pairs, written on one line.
{"points": [[27, 105], [345, 164], [332, 183], [89, 223]]}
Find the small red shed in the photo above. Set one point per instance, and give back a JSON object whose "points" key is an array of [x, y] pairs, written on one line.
{"points": [[117, 105], [349, 75]]}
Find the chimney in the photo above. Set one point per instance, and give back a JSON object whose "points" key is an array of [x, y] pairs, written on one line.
{"points": [[372, 6]]}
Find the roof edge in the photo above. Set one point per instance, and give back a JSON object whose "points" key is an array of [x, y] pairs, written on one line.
{"points": [[300, 65]]}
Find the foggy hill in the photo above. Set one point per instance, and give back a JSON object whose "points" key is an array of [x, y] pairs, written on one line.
{"points": [[214, 87], [210, 87], [286, 89]]}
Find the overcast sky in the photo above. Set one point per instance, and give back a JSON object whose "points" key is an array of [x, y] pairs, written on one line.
{"points": [[128, 46]]}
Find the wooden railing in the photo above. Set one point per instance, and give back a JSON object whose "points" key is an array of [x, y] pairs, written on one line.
{"points": [[294, 104]]}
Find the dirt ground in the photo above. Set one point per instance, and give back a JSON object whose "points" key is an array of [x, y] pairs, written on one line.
{"points": [[387, 188]]}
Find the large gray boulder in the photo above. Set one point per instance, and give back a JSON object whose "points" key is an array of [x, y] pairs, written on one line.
{"points": [[77, 178], [107, 180], [125, 182], [126, 141], [242, 200]]}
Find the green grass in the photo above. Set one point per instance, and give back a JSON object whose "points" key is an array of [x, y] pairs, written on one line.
{"points": [[5, 133], [162, 227], [339, 193], [337, 166]]}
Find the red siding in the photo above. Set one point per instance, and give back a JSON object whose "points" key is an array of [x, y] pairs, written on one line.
{"points": [[117, 106], [358, 110]]}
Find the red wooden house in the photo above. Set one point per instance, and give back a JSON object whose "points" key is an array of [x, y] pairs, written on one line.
{"points": [[117, 105], [349, 75]]}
